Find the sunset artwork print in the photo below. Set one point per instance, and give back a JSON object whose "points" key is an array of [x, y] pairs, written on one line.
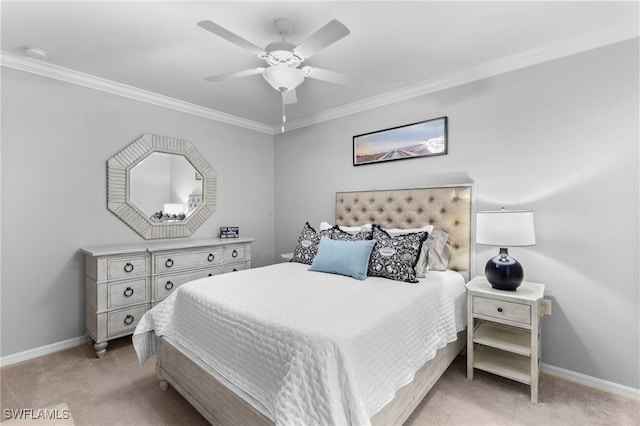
{"points": [[423, 139]]}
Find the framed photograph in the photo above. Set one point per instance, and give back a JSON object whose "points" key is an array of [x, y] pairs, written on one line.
{"points": [[424, 139]]}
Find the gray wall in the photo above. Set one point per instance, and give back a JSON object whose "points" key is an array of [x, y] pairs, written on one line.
{"points": [[559, 138], [56, 139]]}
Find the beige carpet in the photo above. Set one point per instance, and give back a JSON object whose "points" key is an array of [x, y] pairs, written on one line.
{"points": [[115, 390]]}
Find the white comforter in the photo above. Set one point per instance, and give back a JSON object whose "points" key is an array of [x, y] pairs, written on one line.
{"points": [[310, 348]]}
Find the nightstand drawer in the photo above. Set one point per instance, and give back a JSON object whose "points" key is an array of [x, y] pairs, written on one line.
{"points": [[500, 309]]}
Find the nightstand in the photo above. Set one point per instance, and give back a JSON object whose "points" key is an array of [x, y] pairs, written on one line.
{"points": [[503, 331]]}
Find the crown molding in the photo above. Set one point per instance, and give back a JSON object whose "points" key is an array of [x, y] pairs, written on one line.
{"points": [[22, 63], [481, 71]]}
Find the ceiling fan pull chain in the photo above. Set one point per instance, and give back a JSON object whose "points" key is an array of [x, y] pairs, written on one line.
{"points": [[284, 115]]}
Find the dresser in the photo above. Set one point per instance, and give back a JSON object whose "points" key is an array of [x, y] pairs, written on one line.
{"points": [[503, 331], [122, 282]]}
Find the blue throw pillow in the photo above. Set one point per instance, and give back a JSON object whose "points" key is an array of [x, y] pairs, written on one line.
{"points": [[350, 258]]}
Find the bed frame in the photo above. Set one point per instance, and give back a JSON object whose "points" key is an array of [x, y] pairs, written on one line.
{"points": [[449, 208]]}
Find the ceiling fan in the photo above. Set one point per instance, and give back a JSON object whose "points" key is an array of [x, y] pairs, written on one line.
{"points": [[284, 58]]}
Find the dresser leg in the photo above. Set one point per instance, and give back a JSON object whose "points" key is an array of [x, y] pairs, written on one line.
{"points": [[101, 349]]}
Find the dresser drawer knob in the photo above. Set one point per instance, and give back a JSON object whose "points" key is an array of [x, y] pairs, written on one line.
{"points": [[128, 320], [128, 292], [168, 285], [210, 275], [234, 253], [499, 309], [210, 257], [128, 267], [235, 270], [168, 263]]}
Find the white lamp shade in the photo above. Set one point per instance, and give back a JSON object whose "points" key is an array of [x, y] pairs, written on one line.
{"points": [[505, 228], [173, 208], [283, 78]]}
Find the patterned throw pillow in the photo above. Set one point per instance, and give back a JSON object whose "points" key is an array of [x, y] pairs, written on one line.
{"points": [[307, 246], [395, 257], [335, 233]]}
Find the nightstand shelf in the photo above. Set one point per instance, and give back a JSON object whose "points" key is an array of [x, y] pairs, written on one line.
{"points": [[506, 364], [503, 337], [503, 331]]}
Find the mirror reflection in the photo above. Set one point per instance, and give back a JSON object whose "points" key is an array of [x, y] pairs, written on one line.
{"points": [[165, 187]]}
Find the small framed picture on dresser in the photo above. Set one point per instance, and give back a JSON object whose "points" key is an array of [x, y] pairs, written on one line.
{"points": [[423, 139]]}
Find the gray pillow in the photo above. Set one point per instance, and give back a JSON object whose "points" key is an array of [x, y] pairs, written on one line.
{"points": [[438, 252]]}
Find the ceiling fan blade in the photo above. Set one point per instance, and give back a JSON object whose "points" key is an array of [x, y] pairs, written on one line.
{"points": [[290, 97], [237, 74], [231, 37], [326, 75], [322, 38]]}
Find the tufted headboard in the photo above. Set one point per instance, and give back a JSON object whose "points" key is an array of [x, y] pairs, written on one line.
{"points": [[449, 208]]}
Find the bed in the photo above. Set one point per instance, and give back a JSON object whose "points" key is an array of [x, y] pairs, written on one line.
{"points": [[329, 349]]}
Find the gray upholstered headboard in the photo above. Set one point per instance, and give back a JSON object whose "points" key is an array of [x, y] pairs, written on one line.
{"points": [[449, 208]]}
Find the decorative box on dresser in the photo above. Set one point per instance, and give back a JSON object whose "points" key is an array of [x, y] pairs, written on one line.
{"points": [[123, 282], [503, 331]]}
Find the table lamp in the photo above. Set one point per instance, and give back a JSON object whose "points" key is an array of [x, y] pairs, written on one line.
{"points": [[505, 228]]}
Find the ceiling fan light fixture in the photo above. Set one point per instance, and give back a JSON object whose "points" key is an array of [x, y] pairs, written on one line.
{"points": [[283, 78]]}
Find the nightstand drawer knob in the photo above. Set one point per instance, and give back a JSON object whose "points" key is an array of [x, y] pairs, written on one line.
{"points": [[128, 292], [234, 253], [128, 267], [128, 320], [168, 285], [168, 263], [210, 257], [499, 309]]}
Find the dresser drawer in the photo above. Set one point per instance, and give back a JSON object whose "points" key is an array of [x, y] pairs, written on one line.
{"points": [[164, 285], [124, 321], [127, 267], [124, 293], [509, 311], [235, 253], [234, 267], [174, 261]]}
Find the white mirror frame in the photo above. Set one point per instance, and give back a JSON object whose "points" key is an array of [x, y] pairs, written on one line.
{"points": [[118, 184]]}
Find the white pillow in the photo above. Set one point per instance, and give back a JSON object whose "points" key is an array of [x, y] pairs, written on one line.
{"points": [[398, 231], [353, 230]]}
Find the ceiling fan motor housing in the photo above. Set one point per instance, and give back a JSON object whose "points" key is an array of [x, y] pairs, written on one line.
{"points": [[281, 53]]}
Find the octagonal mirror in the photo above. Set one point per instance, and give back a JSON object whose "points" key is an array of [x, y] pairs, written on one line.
{"points": [[161, 187]]}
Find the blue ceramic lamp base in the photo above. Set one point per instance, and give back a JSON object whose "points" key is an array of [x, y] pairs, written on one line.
{"points": [[504, 272]]}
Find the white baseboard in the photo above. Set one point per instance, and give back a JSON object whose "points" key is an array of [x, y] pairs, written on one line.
{"points": [[583, 379], [590, 381], [42, 350]]}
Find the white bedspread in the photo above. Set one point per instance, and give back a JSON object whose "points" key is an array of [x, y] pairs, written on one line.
{"points": [[311, 348]]}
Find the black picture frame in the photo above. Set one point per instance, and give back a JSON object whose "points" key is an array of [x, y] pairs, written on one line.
{"points": [[422, 139]]}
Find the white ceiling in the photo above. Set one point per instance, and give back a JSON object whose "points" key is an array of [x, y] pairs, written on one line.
{"points": [[395, 49]]}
